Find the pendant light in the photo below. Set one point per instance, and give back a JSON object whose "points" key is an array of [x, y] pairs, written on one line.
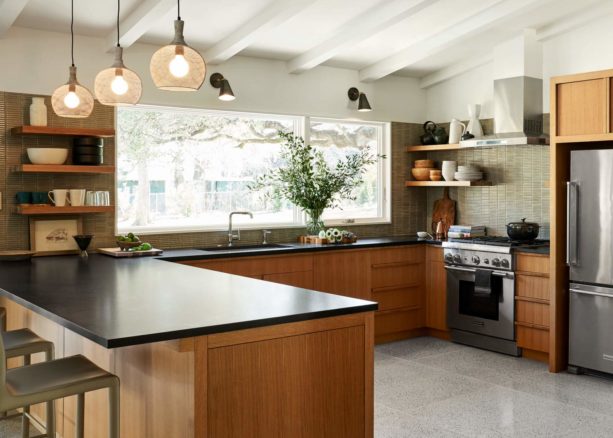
{"points": [[118, 85], [72, 99], [177, 67]]}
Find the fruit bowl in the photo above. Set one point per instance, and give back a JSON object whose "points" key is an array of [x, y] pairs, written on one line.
{"points": [[124, 245]]}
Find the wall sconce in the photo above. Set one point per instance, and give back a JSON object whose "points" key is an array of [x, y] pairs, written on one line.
{"points": [[225, 91], [355, 94]]}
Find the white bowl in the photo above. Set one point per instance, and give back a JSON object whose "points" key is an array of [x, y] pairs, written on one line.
{"points": [[47, 155], [468, 177]]}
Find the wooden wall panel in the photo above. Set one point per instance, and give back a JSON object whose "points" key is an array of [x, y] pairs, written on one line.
{"points": [[582, 107]]}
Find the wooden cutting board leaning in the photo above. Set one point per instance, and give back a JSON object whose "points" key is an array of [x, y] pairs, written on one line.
{"points": [[443, 210]]}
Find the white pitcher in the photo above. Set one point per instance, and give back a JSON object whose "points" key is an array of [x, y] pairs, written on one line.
{"points": [[456, 130]]}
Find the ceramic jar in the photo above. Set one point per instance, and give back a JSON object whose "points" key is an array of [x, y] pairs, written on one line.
{"points": [[38, 112], [474, 125], [449, 169]]}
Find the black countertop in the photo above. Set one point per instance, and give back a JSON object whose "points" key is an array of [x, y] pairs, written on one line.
{"points": [[121, 302], [289, 248]]}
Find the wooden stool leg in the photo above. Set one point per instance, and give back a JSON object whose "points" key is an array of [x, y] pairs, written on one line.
{"points": [[114, 410], [25, 420], [80, 427]]}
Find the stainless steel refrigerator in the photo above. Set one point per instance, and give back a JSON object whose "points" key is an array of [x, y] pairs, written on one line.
{"points": [[590, 259]]}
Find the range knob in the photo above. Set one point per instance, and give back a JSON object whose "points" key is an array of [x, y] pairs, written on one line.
{"points": [[496, 262], [449, 257], [505, 263], [476, 260], [457, 258], [486, 261]]}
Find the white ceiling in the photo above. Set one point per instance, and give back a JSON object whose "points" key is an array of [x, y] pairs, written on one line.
{"points": [[441, 26]]}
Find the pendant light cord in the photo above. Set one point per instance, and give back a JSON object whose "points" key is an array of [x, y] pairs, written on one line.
{"points": [[72, 31], [118, 7], [178, 9]]}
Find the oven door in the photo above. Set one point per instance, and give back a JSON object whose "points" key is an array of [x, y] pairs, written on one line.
{"points": [[493, 315]]}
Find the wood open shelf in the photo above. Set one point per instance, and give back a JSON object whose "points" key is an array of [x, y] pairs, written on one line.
{"points": [[433, 147], [49, 209], [62, 168], [447, 183], [63, 132]]}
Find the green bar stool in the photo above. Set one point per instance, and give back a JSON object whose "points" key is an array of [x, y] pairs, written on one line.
{"points": [[47, 381]]}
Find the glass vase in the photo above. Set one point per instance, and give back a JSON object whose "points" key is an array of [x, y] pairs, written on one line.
{"points": [[314, 222]]}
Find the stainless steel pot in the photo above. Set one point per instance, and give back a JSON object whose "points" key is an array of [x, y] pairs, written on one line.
{"points": [[524, 231]]}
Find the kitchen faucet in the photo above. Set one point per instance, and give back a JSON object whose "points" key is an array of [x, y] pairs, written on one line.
{"points": [[231, 236]]}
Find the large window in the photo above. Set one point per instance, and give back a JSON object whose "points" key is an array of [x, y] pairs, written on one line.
{"points": [[186, 170]]}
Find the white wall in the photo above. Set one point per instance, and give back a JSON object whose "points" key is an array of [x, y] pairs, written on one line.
{"points": [[449, 98], [37, 62], [583, 49]]}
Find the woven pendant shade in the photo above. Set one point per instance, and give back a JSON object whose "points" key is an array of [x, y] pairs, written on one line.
{"points": [[177, 67], [118, 85], [72, 99]]}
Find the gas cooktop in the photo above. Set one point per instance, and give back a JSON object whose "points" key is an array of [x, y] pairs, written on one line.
{"points": [[501, 241]]}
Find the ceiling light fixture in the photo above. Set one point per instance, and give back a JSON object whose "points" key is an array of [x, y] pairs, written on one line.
{"points": [[118, 85], [177, 67], [225, 91], [354, 94], [72, 99]]}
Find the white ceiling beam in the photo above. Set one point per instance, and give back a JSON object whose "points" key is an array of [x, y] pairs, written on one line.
{"points": [[9, 11], [139, 22], [273, 15], [451, 35], [575, 20], [454, 70], [367, 24]]}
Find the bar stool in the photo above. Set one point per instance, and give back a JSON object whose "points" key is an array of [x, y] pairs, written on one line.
{"points": [[2, 319], [47, 381]]}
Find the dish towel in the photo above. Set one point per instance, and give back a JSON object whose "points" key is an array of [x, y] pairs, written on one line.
{"points": [[483, 283]]}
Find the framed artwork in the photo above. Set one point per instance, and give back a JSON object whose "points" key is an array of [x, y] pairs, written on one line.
{"points": [[54, 236]]}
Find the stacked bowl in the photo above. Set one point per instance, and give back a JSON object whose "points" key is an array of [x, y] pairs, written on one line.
{"points": [[421, 171], [468, 173]]}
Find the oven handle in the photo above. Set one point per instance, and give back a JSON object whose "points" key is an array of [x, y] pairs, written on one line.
{"points": [[472, 271]]}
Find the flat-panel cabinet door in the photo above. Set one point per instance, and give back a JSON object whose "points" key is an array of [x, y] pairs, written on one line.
{"points": [[343, 272], [303, 279], [582, 107], [436, 289]]}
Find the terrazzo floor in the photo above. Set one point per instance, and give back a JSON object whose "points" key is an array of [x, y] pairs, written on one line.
{"points": [[425, 387]]}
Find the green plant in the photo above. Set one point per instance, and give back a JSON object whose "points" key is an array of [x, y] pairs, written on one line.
{"points": [[306, 180]]}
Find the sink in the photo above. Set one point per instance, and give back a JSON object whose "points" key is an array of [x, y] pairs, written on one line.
{"points": [[245, 247]]}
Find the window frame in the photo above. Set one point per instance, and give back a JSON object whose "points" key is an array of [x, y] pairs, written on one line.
{"points": [[301, 125]]}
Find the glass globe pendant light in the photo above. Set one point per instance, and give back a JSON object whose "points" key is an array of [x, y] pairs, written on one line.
{"points": [[72, 99], [177, 67], [118, 85]]}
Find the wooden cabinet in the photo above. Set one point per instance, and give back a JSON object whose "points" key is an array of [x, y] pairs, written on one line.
{"points": [[532, 303], [343, 272], [397, 284], [582, 107], [436, 289], [303, 279]]}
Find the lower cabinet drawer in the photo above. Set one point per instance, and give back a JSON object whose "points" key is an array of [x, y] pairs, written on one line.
{"points": [[398, 297], [532, 338], [398, 321], [532, 313], [397, 274]]}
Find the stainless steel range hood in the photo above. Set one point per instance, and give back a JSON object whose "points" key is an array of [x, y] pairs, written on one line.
{"points": [[518, 114]]}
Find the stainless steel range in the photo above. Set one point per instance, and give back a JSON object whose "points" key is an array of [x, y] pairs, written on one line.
{"points": [[481, 293]]}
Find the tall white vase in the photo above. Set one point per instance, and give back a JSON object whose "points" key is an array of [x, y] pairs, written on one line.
{"points": [[38, 112], [474, 125]]}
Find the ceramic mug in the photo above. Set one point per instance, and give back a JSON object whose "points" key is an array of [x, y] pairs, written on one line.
{"points": [[77, 197], [90, 198], [58, 197], [449, 169], [40, 198], [24, 197]]}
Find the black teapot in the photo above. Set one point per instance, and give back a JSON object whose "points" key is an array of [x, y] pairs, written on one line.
{"points": [[440, 136], [428, 137]]}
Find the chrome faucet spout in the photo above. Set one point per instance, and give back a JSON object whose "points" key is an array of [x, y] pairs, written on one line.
{"points": [[231, 236]]}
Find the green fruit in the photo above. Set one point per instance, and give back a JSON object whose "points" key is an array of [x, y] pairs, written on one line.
{"points": [[135, 238], [146, 246], [121, 239]]}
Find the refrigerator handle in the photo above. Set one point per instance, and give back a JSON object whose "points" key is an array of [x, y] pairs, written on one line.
{"points": [[571, 223]]}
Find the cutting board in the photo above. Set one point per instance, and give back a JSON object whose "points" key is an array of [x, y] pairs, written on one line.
{"points": [[443, 210], [117, 252]]}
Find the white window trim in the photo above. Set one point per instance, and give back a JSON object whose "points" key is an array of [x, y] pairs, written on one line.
{"points": [[301, 128]]}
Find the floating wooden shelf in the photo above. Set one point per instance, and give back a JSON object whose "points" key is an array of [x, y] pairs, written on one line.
{"points": [[434, 147], [62, 168], [447, 183], [63, 132], [49, 209]]}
